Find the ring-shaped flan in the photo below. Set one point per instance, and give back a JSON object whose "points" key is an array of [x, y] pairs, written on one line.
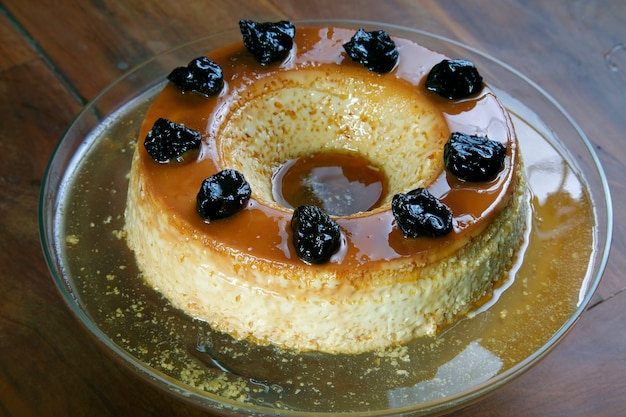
{"points": [[380, 289]]}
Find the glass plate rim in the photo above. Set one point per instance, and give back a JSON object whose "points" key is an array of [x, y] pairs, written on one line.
{"points": [[218, 402]]}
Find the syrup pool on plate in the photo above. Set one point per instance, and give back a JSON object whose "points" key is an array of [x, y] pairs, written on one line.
{"points": [[341, 183], [540, 295]]}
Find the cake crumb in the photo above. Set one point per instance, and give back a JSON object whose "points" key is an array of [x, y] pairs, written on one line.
{"points": [[119, 234]]}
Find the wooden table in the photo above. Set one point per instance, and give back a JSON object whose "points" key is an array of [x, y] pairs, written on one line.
{"points": [[55, 56]]}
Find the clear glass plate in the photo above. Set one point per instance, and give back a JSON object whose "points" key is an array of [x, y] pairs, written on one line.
{"points": [[81, 218]]}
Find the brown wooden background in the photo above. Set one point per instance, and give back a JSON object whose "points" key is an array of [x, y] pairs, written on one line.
{"points": [[56, 55]]}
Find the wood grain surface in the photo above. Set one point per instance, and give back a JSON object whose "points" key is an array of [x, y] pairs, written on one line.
{"points": [[57, 55]]}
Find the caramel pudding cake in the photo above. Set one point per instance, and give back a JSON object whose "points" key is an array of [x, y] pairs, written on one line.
{"points": [[325, 189]]}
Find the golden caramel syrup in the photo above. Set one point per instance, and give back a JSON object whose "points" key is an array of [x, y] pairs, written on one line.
{"points": [[371, 234], [540, 294], [340, 183]]}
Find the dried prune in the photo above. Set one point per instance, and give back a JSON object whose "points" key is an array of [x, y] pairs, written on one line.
{"points": [[201, 75], [454, 79], [168, 141], [222, 195], [375, 50], [419, 213], [267, 41], [473, 158], [316, 236]]}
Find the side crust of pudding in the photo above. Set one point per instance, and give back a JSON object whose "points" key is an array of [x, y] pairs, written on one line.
{"points": [[276, 304]]}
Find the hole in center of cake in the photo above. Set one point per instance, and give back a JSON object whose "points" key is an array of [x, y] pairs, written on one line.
{"points": [[395, 132], [341, 183]]}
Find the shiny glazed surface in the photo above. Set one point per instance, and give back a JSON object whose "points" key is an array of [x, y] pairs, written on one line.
{"points": [[370, 236]]}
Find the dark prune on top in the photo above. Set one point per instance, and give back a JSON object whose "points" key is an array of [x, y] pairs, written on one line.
{"points": [[418, 213], [375, 50], [473, 158], [201, 75], [267, 41], [222, 195], [316, 236], [168, 141], [454, 79]]}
